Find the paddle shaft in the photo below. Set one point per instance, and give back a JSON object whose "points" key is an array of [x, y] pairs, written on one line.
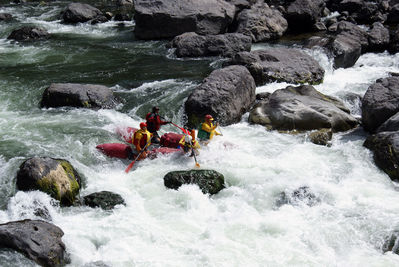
{"points": [[134, 161]]}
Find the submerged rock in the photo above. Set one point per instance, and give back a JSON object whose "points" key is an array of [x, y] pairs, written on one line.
{"points": [[78, 95], [392, 243], [104, 199], [5, 17], [321, 137], [302, 195], [169, 18], [209, 181], [37, 240], [282, 65], [302, 108], [227, 45], [55, 177], [29, 33], [226, 94], [385, 148]]}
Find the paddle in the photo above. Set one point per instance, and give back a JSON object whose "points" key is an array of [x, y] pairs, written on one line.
{"points": [[134, 161], [186, 132]]}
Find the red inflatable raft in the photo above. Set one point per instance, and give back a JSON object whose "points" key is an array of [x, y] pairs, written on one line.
{"points": [[123, 151]]}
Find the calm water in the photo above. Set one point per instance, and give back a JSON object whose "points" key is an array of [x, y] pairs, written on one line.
{"points": [[240, 226]]}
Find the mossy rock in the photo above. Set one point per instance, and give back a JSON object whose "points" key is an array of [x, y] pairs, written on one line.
{"points": [[209, 181], [321, 137], [55, 177]]}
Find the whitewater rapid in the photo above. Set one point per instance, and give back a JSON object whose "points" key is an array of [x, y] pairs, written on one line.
{"points": [[357, 208]]}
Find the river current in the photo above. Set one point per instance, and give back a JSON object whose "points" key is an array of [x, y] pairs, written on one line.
{"points": [[357, 207]]}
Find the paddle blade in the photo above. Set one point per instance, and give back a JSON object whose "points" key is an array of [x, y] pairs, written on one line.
{"points": [[130, 166], [197, 165]]}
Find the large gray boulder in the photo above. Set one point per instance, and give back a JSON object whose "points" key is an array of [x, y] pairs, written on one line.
{"points": [[280, 64], [55, 177], [209, 181], [79, 12], [303, 14], [380, 103], [385, 148], [226, 94], [302, 108], [169, 18], [345, 44], [261, 23], [378, 38], [191, 44], [29, 33], [38, 240], [78, 95]]}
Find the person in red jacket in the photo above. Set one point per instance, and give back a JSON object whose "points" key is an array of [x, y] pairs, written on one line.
{"points": [[154, 123]]}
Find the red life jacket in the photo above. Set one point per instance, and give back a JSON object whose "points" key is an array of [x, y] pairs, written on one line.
{"points": [[154, 122]]}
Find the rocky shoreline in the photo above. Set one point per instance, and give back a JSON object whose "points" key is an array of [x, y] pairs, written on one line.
{"points": [[344, 29]]}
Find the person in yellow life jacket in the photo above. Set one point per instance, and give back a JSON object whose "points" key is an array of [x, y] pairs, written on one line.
{"points": [[207, 130], [141, 140], [188, 142]]}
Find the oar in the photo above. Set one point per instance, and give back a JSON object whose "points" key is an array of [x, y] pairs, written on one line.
{"points": [[134, 161], [191, 143]]}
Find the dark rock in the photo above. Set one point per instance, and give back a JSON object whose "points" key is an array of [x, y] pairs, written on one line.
{"points": [[355, 32], [193, 45], [55, 177], [209, 181], [242, 4], [303, 14], [29, 33], [380, 103], [78, 95], [169, 18], [122, 17], [300, 196], [392, 243], [281, 64], [302, 108], [320, 26], [394, 41], [263, 96], [79, 12], [37, 240], [393, 16], [261, 23], [385, 147], [125, 3], [390, 125], [99, 19], [321, 137], [104, 199], [378, 38], [226, 94], [5, 17]]}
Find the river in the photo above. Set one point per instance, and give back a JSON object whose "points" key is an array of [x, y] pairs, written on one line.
{"points": [[357, 207]]}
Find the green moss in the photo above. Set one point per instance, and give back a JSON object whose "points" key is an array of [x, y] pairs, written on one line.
{"points": [[86, 104], [47, 186], [69, 196]]}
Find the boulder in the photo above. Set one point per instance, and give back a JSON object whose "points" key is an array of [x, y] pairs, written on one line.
{"points": [[385, 148], [226, 94], [394, 41], [378, 38], [169, 18], [302, 108], [393, 16], [242, 4], [38, 240], [261, 23], [380, 103], [79, 12], [29, 33], [227, 45], [78, 95], [55, 177], [104, 199], [209, 181], [5, 17], [321, 137], [390, 125], [280, 64], [303, 14]]}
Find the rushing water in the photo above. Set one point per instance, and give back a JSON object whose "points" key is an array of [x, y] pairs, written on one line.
{"points": [[241, 225]]}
